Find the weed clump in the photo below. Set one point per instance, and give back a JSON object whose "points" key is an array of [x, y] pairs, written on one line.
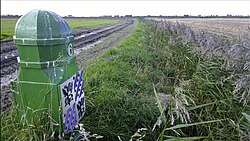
{"points": [[205, 97]]}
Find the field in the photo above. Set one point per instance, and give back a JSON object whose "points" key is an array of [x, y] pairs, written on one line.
{"points": [[74, 23], [165, 81], [8, 24], [7, 27], [222, 26]]}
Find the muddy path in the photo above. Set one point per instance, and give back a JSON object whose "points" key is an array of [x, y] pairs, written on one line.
{"points": [[89, 42]]}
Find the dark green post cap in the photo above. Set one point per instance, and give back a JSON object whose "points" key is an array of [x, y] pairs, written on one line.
{"points": [[39, 27]]}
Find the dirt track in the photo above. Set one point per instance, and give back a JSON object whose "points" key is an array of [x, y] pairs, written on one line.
{"points": [[93, 50], [84, 39]]}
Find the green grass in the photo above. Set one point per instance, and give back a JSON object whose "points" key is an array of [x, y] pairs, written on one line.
{"points": [[121, 83], [74, 23], [182, 76], [8, 24], [124, 83], [7, 27], [120, 97]]}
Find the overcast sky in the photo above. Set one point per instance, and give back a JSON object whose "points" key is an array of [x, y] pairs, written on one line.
{"points": [[135, 8]]}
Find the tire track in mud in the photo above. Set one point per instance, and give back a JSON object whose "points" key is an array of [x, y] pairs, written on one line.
{"points": [[83, 37]]}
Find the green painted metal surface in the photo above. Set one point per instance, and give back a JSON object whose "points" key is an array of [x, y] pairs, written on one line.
{"points": [[46, 60]]}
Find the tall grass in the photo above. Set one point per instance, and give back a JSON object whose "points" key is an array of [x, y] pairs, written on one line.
{"points": [[196, 88], [153, 87], [119, 97]]}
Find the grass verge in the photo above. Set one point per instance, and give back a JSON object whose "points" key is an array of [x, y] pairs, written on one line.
{"points": [[120, 96], [194, 95]]}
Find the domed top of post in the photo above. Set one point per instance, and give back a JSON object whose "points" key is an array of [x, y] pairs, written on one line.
{"points": [[43, 39], [40, 27]]}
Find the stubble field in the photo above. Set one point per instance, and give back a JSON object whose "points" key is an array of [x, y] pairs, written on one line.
{"points": [[232, 27]]}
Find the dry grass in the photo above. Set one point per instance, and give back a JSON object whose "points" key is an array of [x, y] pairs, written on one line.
{"points": [[206, 79], [223, 26]]}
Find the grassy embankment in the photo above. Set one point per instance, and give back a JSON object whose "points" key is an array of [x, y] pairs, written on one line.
{"points": [[120, 92], [8, 24], [123, 85], [195, 95], [197, 92], [119, 96]]}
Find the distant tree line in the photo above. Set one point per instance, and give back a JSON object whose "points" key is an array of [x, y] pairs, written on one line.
{"points": [[148, 16], [161, 16], [198, 16], [10, 16]]}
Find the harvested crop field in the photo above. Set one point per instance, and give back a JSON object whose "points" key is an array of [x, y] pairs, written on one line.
{"points": [[233, 27]]}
